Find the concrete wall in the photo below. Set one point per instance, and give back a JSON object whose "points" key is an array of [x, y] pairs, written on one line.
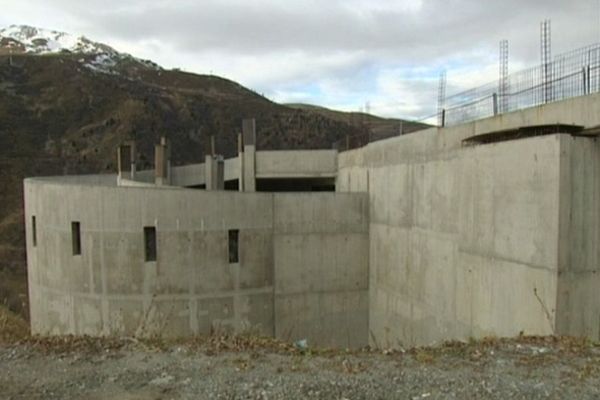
{"points": [[269, 164], [581, 110], [191, 288], [296, 164], [450, 242], [321, 251], [188, 175], [463, 243], [578, 303], [472, 241], [109, 289]]}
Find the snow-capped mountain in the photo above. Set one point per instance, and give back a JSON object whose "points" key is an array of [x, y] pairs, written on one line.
{"points": [[19, 39], [29, 39]]}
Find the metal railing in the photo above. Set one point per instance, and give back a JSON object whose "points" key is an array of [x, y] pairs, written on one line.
{"points": [[571, 74]]}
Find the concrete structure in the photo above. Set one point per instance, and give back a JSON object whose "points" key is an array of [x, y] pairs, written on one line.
{"points": [[426, 237]]}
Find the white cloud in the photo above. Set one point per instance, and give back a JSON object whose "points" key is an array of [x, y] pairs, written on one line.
{"points": [[337, 53]]}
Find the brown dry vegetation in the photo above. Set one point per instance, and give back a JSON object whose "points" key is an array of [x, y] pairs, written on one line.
{"points": [[12, 326], [523, 367]]}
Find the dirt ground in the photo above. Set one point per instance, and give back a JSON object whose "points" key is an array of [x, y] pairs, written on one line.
{"points": [[257, 368]]}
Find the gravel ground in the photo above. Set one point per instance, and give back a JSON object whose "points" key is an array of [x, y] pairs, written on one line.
{"points": [[525, 368]]}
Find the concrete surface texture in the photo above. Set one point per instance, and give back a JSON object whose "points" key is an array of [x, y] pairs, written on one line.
{"points": [[494, 239], [425, 239], [193, 287], [461, 243], [578, 304]]}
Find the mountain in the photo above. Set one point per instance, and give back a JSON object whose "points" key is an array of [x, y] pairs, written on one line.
{"points": [[28, 39], [66, 103], [374, 127], [23, 39]]}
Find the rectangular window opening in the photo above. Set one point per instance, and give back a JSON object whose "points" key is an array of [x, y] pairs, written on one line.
{"points": [[76, 237], [150, 243], [33, 231], [234, 246]]}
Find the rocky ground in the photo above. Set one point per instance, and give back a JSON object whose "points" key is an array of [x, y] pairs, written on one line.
{"points": [[254, 368]]}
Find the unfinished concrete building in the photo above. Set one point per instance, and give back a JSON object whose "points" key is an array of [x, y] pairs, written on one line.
{"points": [[485, 228]]}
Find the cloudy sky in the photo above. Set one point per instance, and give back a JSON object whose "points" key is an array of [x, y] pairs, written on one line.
{"points": [[336, 53]]}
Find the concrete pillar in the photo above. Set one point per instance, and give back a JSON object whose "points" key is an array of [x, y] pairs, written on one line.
{"points": [[249, 157], [126, 164], [220, 172], [209, 175], [165, 142], [133, 153], [209, 166], [162, 163], [241, 162], [214, 170], [209, 146]]}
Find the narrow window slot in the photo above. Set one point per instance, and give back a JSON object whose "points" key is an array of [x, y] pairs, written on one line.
{"points": [[33, 231], [76, 237], [234, 246], [150, 243]]}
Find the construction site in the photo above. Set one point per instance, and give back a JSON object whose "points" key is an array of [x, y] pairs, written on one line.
{"points": [[477, 229], [456, 257]]}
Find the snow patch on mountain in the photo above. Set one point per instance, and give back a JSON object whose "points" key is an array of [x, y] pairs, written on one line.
{"points": [[45, 41], [38, 41], [100, 63]]}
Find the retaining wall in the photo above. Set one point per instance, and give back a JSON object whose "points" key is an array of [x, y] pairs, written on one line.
{"points": [[192, 288], [495, 239]]}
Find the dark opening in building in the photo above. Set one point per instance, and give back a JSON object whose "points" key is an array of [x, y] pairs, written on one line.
{"points": [[33, 231], [295, 185], [233, 184], [202, 187], [150, 243], [234, 246], [76, 237]]}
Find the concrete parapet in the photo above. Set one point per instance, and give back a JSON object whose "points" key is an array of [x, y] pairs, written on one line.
{"points": [[296, 164], [191, 285]]}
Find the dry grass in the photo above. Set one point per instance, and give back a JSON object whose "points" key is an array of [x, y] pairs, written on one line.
{"points": [[13, 288], [12, 327]]}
